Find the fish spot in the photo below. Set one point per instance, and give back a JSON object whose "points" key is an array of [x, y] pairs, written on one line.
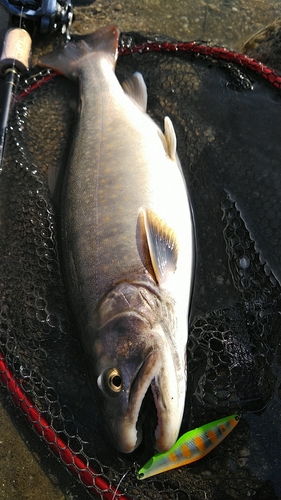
{"points": [[244, 262]]}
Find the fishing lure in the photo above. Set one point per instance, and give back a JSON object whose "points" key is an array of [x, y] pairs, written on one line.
{"points": [[192, 446]]}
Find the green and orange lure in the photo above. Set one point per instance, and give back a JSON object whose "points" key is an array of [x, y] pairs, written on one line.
{"points": [[190, 447]]}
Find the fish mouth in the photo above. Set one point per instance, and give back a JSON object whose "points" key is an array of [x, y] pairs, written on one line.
{"points": [[130, 426], [129, 430]]}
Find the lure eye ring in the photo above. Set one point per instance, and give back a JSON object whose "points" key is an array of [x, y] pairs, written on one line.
{"points": [[114, 380]]}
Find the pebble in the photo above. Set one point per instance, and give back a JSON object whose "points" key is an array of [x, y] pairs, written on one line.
{"points": [[214, 7], [242, 462], [244, 452], [243, 457]]}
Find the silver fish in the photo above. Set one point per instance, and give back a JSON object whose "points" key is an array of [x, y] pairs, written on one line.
{"points": [[127, 242]]}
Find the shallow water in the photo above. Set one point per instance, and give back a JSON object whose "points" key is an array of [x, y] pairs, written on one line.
{"points": [[27, 469]]}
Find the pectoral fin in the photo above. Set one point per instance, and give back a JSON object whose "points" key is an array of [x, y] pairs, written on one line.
{"points": [[161, 245], [135, 88]]}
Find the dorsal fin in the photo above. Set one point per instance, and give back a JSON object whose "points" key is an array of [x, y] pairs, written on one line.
{"points": [[135, 88], [169, 138], [162, 246]]}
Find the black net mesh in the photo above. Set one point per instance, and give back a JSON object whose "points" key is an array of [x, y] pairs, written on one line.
{"points": [[226, 112], [231, 350]]}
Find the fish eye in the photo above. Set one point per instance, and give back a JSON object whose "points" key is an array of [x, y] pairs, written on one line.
{"points": [[114, 380]]}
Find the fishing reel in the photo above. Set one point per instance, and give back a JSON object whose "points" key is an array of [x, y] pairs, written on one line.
{"points": [[46, 15], [25, 18]]}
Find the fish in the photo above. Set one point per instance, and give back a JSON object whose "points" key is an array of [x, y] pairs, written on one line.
{"points": [[127, 245], [190, 447]]}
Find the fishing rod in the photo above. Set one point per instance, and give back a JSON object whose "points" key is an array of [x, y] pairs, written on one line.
{"points": [[26, 17]]}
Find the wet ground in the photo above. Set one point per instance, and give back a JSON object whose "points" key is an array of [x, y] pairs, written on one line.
{"points": [[226, 22], [27, 469]]}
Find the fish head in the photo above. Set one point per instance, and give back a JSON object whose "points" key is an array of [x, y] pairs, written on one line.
{"points": [[130, 357]]}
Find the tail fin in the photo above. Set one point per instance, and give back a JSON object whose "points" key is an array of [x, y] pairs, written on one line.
{"points": [[69, 59]]}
